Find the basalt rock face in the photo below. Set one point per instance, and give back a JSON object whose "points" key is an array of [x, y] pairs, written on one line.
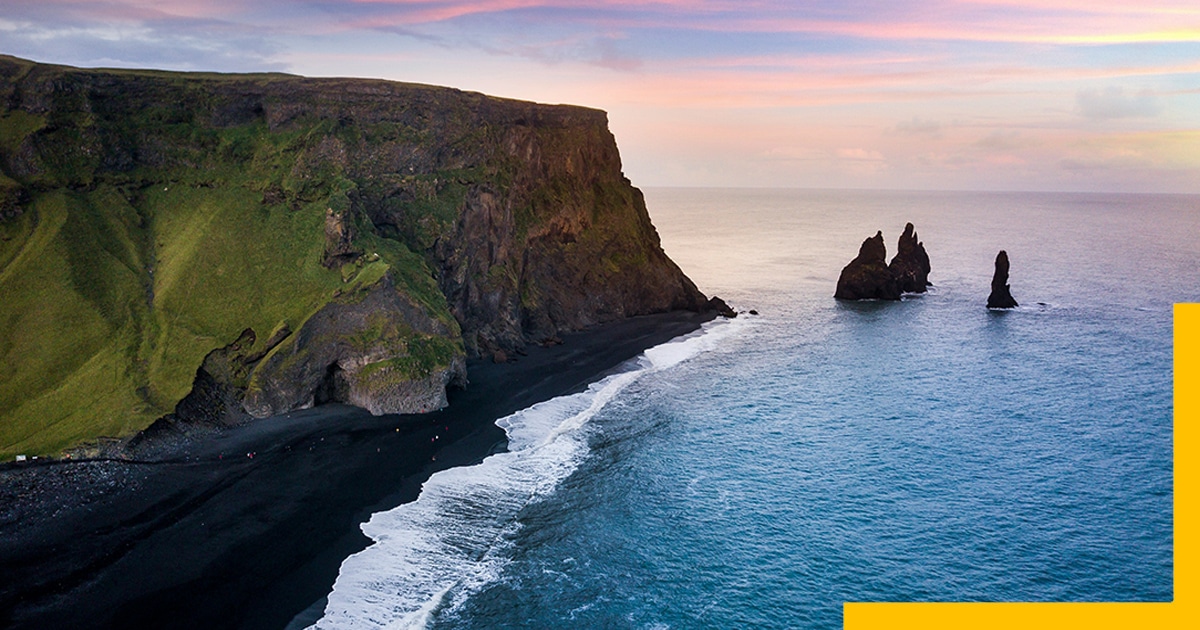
{"points": [[1001, 296], [718, 306], [867, 276], [870, 277], [377, 350], [369, 234], [910, 267]]}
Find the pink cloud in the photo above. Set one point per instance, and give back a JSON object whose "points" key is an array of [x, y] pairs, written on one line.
{"points": [[137, 10], [1014, 21], [1019, 21], [414, 12], [826, 82]]}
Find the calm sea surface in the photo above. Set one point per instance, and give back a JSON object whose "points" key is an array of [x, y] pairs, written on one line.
{"points": [[763, 471]]}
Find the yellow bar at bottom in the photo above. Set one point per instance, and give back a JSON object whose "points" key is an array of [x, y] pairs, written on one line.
{"points": [[1009, 616], [1182, 613]]}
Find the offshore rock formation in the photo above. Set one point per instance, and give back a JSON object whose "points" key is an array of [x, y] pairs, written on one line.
{"points": [[867, 276], [1000, 296], [910, 267], [870, 277], [213, 247]]}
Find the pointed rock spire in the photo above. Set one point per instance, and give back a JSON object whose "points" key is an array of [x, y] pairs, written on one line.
{"points": [[910, 267], [1001, 297]]}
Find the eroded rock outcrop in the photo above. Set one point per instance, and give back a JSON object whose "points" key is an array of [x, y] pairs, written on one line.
{"points": [[867, 276], [718, 306], [870, 277], [376, 349], [1001, 296], [910, 266], [339, 239]]}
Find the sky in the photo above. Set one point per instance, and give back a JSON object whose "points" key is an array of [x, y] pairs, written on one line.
{"points": [[1068, 95]]}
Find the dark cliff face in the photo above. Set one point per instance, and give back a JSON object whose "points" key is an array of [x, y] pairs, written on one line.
{"points": [[166, 213], [565, 244]]}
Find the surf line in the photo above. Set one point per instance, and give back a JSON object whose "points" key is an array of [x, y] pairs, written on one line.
{"points": [[434, 552]]}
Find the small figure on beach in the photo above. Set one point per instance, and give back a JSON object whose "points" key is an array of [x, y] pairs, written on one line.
{"points": [[1001, 297]]}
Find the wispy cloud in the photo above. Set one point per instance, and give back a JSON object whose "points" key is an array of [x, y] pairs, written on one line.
{"points": [[1124, 160], [864, 87], [1115, 102], [1002, 140], [1022, 21], [1017, 21], [919, 126], [860, 155], [180, 35]]}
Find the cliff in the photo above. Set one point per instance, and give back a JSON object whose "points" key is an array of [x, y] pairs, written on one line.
{"points": [[202, 246]]}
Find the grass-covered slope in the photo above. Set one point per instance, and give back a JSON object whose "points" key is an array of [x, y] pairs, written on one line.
{"points": [[148, 218]]}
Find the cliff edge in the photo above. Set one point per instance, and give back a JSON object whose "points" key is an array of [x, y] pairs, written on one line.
{"points": [[206, 246]]}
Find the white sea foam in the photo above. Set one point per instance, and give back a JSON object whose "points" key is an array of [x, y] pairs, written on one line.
{"points": [[436, 551]]}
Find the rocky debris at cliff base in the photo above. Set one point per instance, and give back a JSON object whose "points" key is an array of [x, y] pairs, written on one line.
{"points": [[1001, 296], [33, 494], [718, 306], [870, 277]]}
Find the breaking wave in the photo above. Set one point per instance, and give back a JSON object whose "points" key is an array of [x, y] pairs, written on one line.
{"points": [[435, 552]]}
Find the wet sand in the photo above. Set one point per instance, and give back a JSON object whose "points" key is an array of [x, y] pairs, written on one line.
{"points": [[248, 529]]}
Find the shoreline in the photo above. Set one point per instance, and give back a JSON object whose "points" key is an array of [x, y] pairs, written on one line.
{"points": [[249, 528]]}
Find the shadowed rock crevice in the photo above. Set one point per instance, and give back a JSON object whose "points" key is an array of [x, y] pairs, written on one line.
{"points": [[334, 387]]}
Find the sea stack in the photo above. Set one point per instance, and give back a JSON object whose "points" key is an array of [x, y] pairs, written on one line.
{"points": [[910, 267], [867, 276], [1001, 297]]}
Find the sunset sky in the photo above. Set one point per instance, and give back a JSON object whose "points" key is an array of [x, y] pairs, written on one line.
{"points": [[1089, 95]]}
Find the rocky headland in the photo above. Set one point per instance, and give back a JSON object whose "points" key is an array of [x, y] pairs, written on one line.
{"points": [[870, 277], [202, 249]]}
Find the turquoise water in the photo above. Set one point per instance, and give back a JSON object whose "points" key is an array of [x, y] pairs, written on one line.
{"points": [[765, 470]]}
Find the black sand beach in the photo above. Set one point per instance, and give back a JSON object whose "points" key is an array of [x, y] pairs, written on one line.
{"points": [[249, 528]]}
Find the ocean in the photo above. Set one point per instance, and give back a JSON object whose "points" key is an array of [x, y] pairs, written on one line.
{"points": [[763, 470]]}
